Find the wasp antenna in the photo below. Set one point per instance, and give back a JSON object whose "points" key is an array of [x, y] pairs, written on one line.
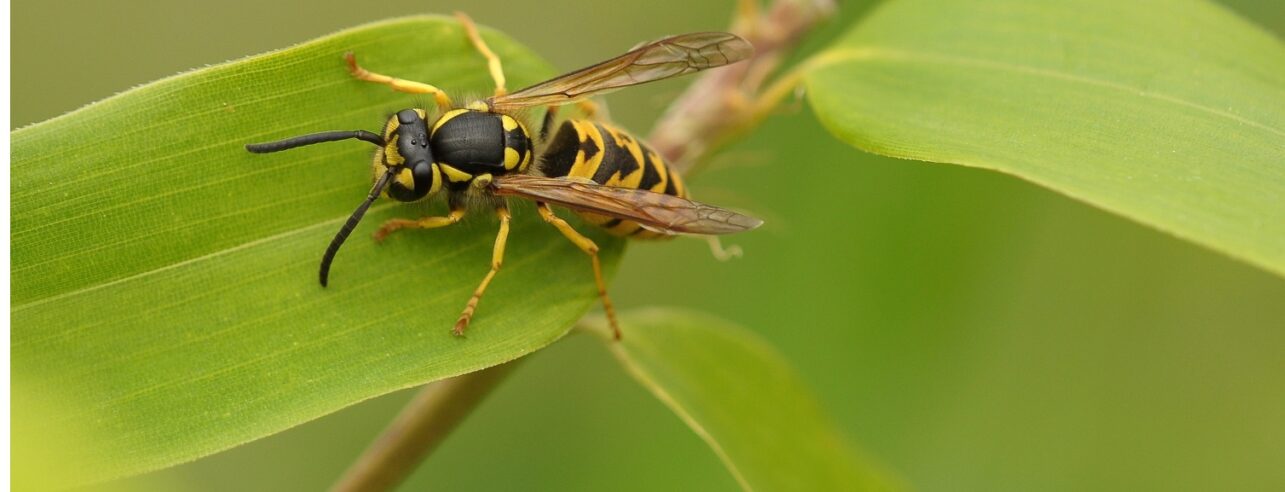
{"points": [[314, 138], [351, 224]]}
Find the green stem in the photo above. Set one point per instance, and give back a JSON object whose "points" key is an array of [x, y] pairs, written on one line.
{"points": [[419, 429]]}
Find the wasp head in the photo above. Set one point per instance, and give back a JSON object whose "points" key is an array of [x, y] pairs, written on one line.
{"points": [[408, 156]]}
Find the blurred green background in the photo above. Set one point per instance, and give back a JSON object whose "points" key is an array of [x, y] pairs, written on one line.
{"points": [[969, 329]]}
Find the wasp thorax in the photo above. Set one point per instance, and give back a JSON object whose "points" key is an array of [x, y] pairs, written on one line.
{"points": [[408, 153], [471, 142]]}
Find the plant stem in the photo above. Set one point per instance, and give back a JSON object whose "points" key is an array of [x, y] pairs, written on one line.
{"points": [[420, 428], [726, 102]]}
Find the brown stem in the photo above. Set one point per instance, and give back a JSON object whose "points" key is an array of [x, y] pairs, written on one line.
{"points": [[727, 101], [419, 428]]}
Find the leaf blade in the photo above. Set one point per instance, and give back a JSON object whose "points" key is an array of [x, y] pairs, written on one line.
{"points": [[1172, 114], [165, 279], [742, 399]]}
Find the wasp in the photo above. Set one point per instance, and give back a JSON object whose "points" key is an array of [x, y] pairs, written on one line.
{"points": [[482, 152]]}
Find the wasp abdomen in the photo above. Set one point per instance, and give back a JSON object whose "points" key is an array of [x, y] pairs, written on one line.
{"points": [[610, 157]]}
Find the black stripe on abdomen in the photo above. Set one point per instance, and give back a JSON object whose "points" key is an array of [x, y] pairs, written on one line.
{"points": [[651, 176], [617, 161], [558, 157]]}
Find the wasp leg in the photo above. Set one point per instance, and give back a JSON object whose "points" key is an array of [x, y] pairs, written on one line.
{"points": [[549, 114], [492, 61], [497, 259], [720, 253], [392, 225], [589, 247], [590, 109], [747, 14], [402, 85]]}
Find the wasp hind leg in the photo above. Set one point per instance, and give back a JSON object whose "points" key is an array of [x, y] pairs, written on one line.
{"points": [[747, 15], [492, 61], [720, 252], [497, 259], [550, 114], [588, 110], [591, 110], [590, 248], [400, 85]]}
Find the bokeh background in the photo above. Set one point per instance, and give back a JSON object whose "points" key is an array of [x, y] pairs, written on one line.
{"points": [[971, 330]]}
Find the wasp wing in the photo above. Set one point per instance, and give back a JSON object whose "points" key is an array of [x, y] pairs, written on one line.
{"points": [[657, 212], [669, 57]]}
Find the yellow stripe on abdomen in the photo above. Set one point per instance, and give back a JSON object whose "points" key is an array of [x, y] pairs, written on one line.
{"points": [[611, 157]]}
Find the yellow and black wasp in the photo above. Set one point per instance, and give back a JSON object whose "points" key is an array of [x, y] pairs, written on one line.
{"points": [[482, 153]]}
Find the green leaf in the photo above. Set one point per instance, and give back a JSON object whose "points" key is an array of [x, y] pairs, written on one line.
{"points": [[1171, 113], [165, 295], [742, 398]]}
